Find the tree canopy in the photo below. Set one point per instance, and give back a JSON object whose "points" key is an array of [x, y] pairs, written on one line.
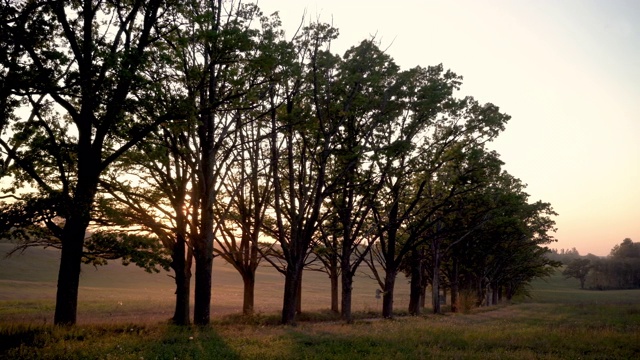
{"points": [[166, 133]]}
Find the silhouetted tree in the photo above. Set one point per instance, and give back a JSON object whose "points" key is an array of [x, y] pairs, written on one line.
{"points": [[579, 269]]}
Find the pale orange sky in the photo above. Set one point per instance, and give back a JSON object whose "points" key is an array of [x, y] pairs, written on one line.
{"points": [[568, 72]]}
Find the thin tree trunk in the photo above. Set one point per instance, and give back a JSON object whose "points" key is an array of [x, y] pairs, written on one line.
{"points": [[435, 282], [416, 283], [455, 288], [425, 285], [334, 286], [443, 298]]}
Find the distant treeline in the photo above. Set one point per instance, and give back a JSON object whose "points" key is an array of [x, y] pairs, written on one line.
{"points": [[619, 270]]}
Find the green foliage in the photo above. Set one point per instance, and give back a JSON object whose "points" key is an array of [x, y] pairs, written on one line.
{"points": [[144, 251], [579, 269], [626, 249]]}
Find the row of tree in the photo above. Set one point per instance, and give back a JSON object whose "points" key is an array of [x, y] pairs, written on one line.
{"points": [[151, 130], [619, 270]]}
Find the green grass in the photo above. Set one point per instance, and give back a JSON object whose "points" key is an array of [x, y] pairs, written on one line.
{"points": [[123, 314], [557, 289], [525, 331]]}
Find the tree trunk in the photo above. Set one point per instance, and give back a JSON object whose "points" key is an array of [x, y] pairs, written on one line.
{"points": [[347, 291], [202, 303], [69, 274], [387, 298], [509, 291], [435, 282], [73, 246], [182, 269], [249, 280], [290, 298], [435, 292], [494, 294], [299, 297], [455, 289], [416, 283], [334, 288]]}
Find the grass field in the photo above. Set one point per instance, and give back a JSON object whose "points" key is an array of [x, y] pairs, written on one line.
{"points": [[124, 311]]}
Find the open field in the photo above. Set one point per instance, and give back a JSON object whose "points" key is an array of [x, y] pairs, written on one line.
{"points": [[116, 293], [123, 313]]}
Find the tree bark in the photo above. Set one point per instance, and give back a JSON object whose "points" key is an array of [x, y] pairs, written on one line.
{"points": [[69, 274], [334, 287], [416, 283], [248, 297], [435, 282], [455, 288], [73, 237], [299, 297], [494, 294], [347, 291], [290, 299], [387, 298], [182, 269], [204, 265]]}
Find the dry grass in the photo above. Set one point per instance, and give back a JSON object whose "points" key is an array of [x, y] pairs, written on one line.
{"points": [[123, 313]]}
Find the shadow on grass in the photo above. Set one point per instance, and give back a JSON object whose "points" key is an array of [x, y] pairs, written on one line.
{"points": [[112, 341]]}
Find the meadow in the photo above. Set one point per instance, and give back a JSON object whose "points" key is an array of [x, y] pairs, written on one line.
{"points": [[124, 312]]}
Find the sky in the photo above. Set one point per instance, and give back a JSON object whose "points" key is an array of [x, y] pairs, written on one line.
{"points": [[567, 71]]}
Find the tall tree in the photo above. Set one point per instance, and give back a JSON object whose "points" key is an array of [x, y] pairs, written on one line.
{"points": [[250, 185], [216, 48], [432, 128], [302, 140], [87, 58]]}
